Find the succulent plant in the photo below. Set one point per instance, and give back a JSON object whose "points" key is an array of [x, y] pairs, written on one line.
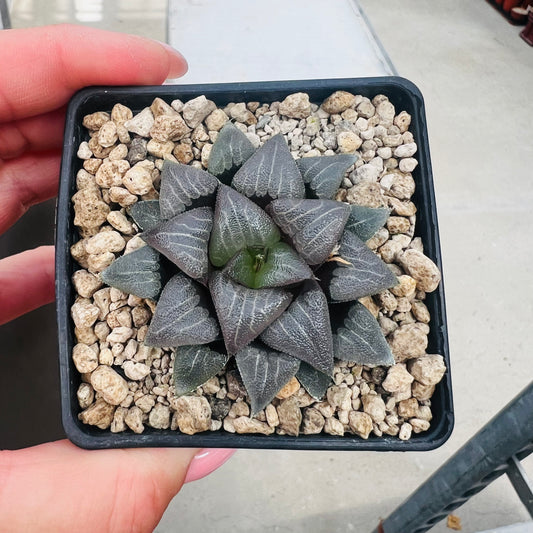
{"points": [[269, 268]]}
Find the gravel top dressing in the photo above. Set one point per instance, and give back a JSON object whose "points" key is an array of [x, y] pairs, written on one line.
{"points": [[127, 385]]}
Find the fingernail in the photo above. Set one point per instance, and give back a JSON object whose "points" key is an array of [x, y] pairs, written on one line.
{"points": [[207, 461], [178, 64]]}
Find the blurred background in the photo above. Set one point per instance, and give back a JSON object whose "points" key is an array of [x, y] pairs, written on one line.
{"points": [[476, 75]]}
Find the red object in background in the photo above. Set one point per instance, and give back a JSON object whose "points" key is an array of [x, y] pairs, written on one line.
{"points": [[527, 32], [515, 11]]}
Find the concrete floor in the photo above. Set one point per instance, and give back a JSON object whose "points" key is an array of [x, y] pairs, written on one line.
{"points": [[477, 78]]}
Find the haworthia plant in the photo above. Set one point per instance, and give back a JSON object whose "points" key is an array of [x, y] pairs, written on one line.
{"points": [[265, 261]]}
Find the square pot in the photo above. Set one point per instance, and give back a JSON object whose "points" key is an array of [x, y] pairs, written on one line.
{"points": [[405, 96]]}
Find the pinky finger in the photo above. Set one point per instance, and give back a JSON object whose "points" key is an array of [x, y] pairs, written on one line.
{"points": [[26, 282]]}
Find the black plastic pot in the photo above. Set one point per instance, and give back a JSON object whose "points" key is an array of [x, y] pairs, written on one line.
{"points": [[405, 96]]}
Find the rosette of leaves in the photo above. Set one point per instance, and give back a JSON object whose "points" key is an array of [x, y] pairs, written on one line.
{"points": [[254, 260]]}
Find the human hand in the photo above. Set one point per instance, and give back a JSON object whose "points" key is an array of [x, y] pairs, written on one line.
{"points": [[56, 486]]}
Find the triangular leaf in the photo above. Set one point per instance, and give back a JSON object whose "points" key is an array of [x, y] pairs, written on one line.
{"points": [[314, 226], [238, 223], [323, 174], [264, 373], [270, 173], [145, 214], [183, 187], [244, 313], [194, 365], [276, 266], [359, 338], [135, 273], [365, 274], [184, 240], [314, 382], [304, 330], [230, 150], [365, 221], [182, 316]]}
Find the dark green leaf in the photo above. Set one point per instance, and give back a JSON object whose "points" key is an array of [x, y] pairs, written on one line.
{"points": [[182, 316], [365, 221], [314, 226], [184, 240], [136, 273], [244, 313], [323, 174], [359, 339], [270, 173], [238, 223], [194, 365], [314, 382], [145, 214], [230, 150], [276, 266], [365, 275], [264, 373], [304, 329], [183, 187]]}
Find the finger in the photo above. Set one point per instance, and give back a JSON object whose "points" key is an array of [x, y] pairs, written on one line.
{"points": [[42, 67], [86, 491], [42, 132], [25, 181], [26, 282]]}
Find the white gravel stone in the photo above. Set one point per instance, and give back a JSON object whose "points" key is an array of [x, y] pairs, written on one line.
{"points": [[134, 419], [339, 397], [405, 431], [84, 152], [135, 371], [333, 426], [405, 150], [141, 123], [243, 424], [196, 110], [107, 134], [348, 142], [408, 164], [99, 414], [85, 395]]}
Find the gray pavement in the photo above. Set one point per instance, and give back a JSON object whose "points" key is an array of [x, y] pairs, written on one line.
{"points": [[477, 78]]}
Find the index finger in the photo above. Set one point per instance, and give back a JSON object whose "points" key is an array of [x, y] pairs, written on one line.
{"points": [[42, 67]]}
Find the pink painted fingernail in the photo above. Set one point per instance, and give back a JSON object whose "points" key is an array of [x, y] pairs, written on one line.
{"points": [[207, 461]]}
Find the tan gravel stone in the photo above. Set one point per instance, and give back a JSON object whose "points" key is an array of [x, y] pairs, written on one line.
{"points": [[406, 286], [333, 426], [348, 142], [107, 134], [159, 417], [216, 120], [183, 153], [138, 179], [85, 358], [169, 128], [338, 102], [109, 384], [422, 269], [160, 107], [398, 379], [271, 415], [84, 313], [99, 414], [135, 371], [243, 424], [313, 421], [120, 113], [105, 241], [86, 284], [290, 388], [89, 209], [339, 397], [407, 342], [374, 406], [134, 419], [95, 121], [290, 416], [295, 105], [360, 423], [428, 370], [196, 110], [85, 395], [193, 414], [122, 196], [408, 408], [403, 121]]}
